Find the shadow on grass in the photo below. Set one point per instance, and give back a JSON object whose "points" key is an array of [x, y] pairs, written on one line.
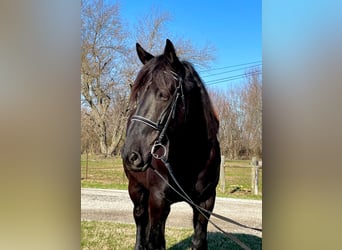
{"points": [[218, 241]]}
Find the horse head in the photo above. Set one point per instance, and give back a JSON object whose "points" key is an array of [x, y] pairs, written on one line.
{"points": [[158, 107]]}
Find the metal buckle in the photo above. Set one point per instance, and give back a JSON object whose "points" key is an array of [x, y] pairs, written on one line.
{"points": [[156, 146]]}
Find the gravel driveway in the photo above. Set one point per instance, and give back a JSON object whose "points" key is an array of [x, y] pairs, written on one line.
{"points": [[116, 206]]}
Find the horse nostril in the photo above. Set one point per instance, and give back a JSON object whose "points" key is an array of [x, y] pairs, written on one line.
{"points": [[134, 158]]}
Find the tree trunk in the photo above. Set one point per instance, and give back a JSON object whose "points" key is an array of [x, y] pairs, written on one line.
{"points": [[103, 138], [118, 135]]}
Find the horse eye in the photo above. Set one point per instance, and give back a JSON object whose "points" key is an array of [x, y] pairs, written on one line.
{"points": [[162, 96]]}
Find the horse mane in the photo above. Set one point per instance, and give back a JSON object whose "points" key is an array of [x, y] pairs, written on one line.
{"points": [[210, 115], [156, 70]]}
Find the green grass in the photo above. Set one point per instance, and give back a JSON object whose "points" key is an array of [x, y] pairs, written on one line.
{"points": [[110, 235], [103, 173], [108, 173], [238, 181]]}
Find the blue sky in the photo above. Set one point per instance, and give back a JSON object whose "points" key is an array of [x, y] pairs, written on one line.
{"points": [[232, 27]]}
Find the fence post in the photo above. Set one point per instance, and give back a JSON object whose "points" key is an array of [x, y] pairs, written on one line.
{"points": [[86, 177], [255, 176], [222, 175]]}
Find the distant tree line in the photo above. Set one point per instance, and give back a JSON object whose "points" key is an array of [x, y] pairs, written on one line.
{"points": [[240, 113], [109, 65]]}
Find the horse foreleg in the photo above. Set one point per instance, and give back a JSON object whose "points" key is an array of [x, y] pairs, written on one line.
{"points": [[139, 196], [199, 239], [158, 212]]}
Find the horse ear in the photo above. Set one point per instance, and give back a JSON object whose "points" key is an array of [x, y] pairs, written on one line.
{"points": [[143, 55], [170, 54]]}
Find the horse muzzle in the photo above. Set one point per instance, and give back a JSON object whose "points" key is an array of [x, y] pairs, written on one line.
{"points": [[134, 161]]}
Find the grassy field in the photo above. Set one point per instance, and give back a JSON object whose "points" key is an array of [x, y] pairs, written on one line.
{"points": [[109, 235], [108, 173]]}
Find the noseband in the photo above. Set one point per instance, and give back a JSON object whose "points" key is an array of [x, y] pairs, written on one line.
{"points": [[160, 125]]}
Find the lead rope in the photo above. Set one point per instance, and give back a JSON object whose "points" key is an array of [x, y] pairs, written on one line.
{"points": [[200, 209], [168, 166]]}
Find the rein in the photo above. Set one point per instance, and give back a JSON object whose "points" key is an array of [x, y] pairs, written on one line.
{"points": [[202, 210]]}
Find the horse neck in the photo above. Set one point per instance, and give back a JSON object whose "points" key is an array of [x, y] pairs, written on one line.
{"points": [[190, 143]]}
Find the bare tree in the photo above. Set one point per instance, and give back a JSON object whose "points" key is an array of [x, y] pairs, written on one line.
{"points": [[89, 139], [102, 49], [108, 67], [151, 33], [240, 113], [200, 57], [252, 107], [228, 106]]}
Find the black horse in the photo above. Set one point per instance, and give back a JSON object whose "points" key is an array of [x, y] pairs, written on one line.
{"points": [[172, 120]]}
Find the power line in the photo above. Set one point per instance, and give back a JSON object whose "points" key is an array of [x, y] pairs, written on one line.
{"points": [[229, 71], [231, 66], [227, 79]]}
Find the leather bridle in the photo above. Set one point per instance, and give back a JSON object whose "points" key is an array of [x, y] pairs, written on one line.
{"points": [[162, 125]]}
